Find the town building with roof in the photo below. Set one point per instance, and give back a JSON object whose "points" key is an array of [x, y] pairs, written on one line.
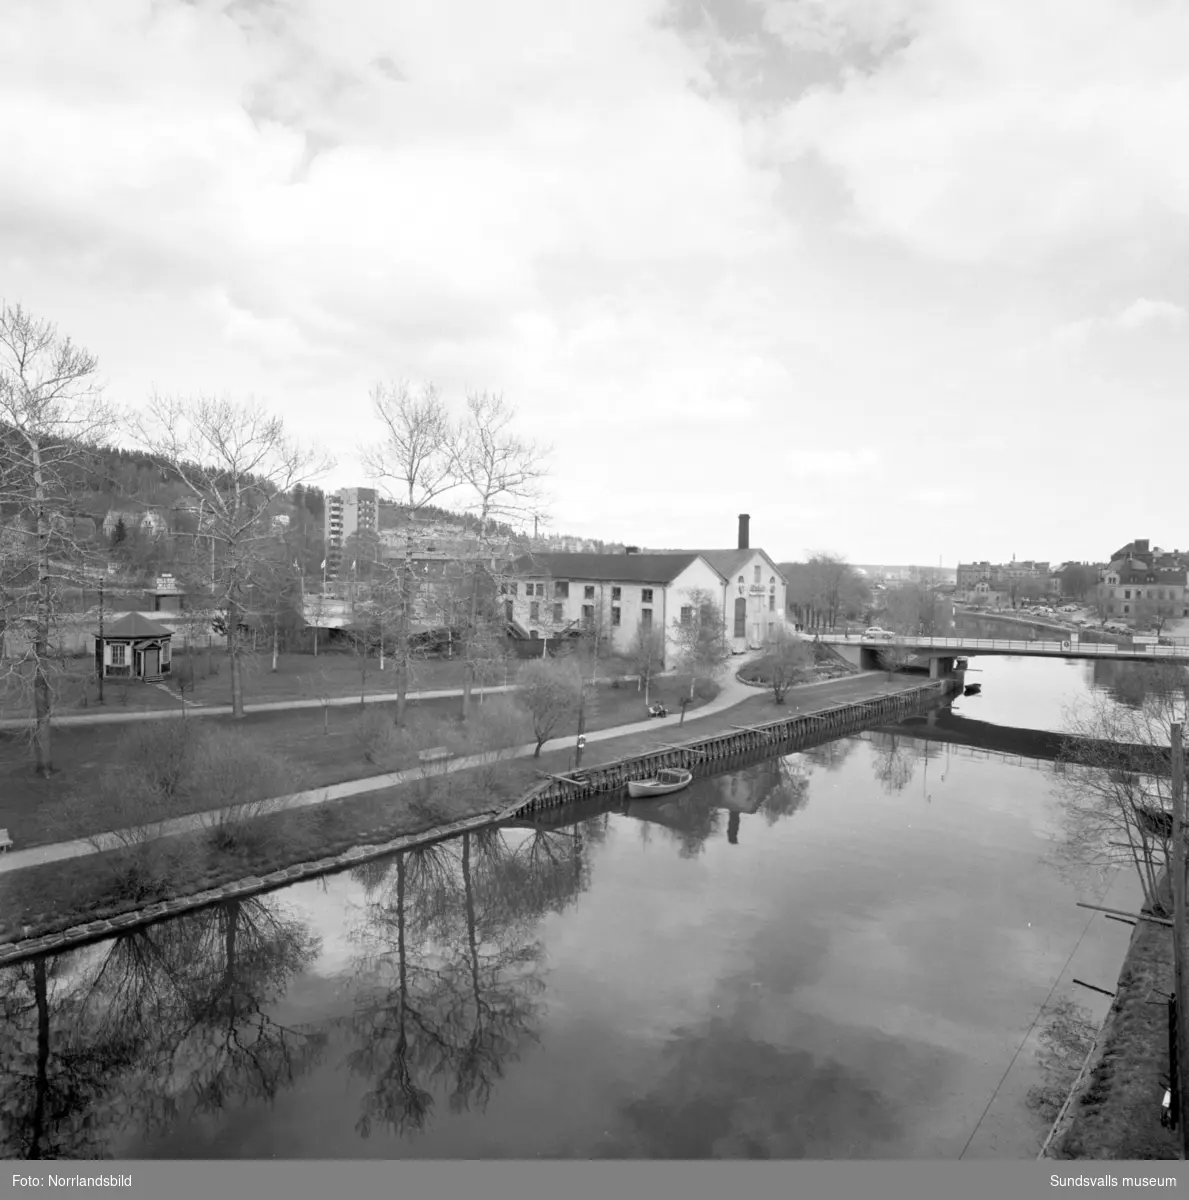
{"points": [[133, 647], [1142, 582], [557, 594]]}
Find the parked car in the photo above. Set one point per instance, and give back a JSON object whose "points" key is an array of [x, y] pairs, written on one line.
{"points": [[875, 634]]}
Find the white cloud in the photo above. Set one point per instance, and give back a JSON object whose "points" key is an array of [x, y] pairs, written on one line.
{"points": [[832, 464], [578, 205], [1138, 315], [1143, 312], [1009, 132]]}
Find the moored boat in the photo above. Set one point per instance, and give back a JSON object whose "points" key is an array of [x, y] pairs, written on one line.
{"points": [[661, 784]]}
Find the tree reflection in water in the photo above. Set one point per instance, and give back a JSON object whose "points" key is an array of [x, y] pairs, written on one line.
{"points": [[831, 755], [449, 967], [895, 760], [52, 1074], [167, 1022]]}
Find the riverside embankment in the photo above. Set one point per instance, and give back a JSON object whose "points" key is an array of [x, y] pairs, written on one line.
{"points": [[68, 893]]}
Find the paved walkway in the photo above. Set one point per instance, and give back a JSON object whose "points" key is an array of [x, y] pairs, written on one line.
{"points": [[224, 710], [806, 698]]}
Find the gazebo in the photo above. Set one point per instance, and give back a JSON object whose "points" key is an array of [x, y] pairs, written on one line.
{"points": [[133, 647]]}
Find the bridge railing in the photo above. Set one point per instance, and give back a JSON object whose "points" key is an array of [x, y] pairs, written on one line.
{"points": [[1010, 645]]}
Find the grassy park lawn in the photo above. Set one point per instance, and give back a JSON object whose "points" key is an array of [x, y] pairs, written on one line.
{"points": [[331, 674], [322, 743]]}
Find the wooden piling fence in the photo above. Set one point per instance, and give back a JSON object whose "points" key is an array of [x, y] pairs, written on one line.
{"points": [[711, 753]]}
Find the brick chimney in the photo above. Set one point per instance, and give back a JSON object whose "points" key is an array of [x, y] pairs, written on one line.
{"points": [[744, 540]]}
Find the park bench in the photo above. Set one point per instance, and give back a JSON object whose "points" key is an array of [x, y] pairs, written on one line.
{"points": [[5, 840], [434, 754]]}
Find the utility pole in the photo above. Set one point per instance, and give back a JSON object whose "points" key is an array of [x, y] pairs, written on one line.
{"points": [[102, 644], [1178, 899]]}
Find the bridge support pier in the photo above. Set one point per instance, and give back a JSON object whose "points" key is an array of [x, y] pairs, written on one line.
{"points": [[941, 668]]}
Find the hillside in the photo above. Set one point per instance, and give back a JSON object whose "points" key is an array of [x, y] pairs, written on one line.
{"points": [[139, 514]]}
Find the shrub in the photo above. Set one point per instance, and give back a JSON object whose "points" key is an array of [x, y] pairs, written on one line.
{"points": [[705, 689], [131, 810], [164, 751], [239, 783], [379, 740]]}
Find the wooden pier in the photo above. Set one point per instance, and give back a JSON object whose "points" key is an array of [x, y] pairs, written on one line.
{"points": [[718, 751]]}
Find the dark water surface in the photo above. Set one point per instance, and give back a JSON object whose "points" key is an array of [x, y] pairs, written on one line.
{"points": [[842, 953]]}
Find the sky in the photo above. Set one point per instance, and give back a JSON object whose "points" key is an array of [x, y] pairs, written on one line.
{"points": [[904, 280]]}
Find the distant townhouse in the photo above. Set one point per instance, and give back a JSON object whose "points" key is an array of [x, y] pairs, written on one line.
{"points": [[146, 520], [983, 579], [558, 594], [1141, 579]]}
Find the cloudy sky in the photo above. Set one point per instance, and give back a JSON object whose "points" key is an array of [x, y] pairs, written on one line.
{"points": [[903, 279]]}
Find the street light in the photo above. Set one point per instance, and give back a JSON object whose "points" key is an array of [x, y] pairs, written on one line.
{"points": [[102, 646]]}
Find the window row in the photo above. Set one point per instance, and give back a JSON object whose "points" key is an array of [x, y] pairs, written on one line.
{"points": [[561, 591]]}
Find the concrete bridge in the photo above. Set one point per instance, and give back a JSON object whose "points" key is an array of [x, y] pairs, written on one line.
{"points": [[942, 651]]}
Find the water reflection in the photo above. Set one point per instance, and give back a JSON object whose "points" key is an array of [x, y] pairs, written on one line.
{"points": [[895, 760], [162, 1024], [449, 970], [774, 788]]}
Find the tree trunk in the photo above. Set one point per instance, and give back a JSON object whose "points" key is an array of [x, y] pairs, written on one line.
{"points": [[469, 674], [472, 924], [233, 654], [41, 1094], [402, 683], [42, 697]]}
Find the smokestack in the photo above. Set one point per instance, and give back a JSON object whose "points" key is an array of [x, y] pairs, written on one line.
{"points": [[744, 540]]}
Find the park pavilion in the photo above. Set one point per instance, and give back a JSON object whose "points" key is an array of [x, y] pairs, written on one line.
{"points": [[133, 647]]}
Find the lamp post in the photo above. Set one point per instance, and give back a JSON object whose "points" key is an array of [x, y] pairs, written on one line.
{"points": [[102, 646]]}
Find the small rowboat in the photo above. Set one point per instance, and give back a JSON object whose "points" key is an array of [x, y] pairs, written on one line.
{"points": [[661, 784]]}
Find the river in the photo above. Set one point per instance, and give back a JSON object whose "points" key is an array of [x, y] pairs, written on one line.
{"points": [[847, 953]]}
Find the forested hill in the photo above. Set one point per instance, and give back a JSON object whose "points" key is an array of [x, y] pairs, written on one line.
{"points": [[129, 483]]}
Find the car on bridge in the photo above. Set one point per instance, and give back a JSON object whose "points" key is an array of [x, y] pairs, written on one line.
{"points": [[876, 634]]}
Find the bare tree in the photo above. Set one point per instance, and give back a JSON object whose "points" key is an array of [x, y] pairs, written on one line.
{"points": [[550, 691], [1153, 611], [787, 660], [1115, 783], [51, 417], [829, 575], [825, 588], [504, 474], [236, 460], [417, 461], [646, 653], [912, 608], [700, 636]]}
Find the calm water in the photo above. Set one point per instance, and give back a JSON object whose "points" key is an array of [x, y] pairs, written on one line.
{"points": [[843, 953]]}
